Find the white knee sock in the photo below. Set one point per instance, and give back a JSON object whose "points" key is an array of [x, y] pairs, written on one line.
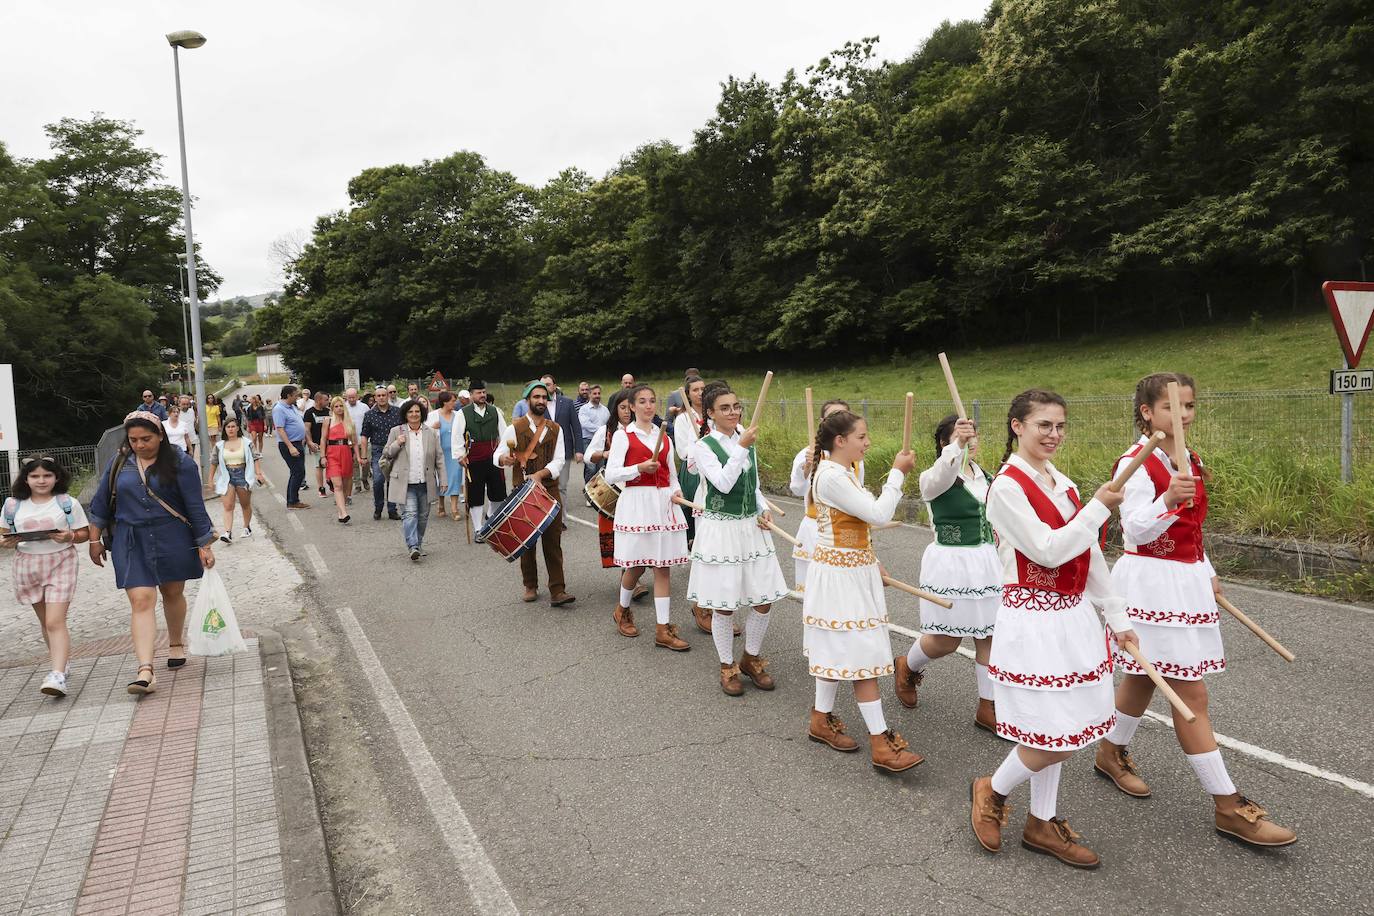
{"points": [[916, 656], [755, 625], [476, 513], [1124, 730], [1211, 772], [626, 596], [723, 635], [661, 608], [825, 695], [984, 681], [1045, 791], [1010, 774], [873, 717]]}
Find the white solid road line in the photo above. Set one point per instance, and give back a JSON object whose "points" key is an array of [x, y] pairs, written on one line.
{"points": [[581, 521], [317, 561], [489, 894]]}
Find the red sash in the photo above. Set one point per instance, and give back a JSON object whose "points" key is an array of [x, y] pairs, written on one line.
{"points": [[638, 453], [1182, 540], [1071, 578]]}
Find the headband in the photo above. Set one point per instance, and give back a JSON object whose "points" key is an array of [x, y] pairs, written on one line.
{"points": [[145, 415]]}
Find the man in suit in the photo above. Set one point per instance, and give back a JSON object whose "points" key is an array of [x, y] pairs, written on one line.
{"points": [[562, 412]]}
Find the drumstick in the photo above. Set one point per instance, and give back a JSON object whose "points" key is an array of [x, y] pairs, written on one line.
{"points": [[763, 394], [919, 593], [1174, 699], [906, 423], [1255, 628], [1180, 449], [786, 536], [774, 508], [810, 418], [467, 513], [953, 389], [1127, 472]]}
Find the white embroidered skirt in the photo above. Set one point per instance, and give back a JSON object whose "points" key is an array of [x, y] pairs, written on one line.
{"points": [[971, 577], [1051, 674], [734, 565], [801, 556], [844, 616], [1174, 612], [650, 529]]}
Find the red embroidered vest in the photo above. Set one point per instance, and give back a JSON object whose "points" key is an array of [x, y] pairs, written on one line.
{"points": [[1072, 577], [638, 453], [1182, 540]]}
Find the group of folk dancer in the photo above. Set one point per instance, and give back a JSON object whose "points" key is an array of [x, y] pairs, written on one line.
{"points": [[1016, 566]]}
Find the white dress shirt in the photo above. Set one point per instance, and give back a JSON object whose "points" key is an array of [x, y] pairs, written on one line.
{"points": [[555, 465], [460, 425]]}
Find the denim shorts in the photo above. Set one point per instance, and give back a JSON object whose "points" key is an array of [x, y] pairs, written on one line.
{"points": [[238, 478]]}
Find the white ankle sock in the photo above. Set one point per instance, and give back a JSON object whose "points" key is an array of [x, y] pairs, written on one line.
{"points": [[1124, 730], [1045, 791], [984, 681], [626, 596], [873, 716], [723, 635], [1211, 772], [825, 695], [755, 625], [661, 606], [1010, 774], [916, 657]]}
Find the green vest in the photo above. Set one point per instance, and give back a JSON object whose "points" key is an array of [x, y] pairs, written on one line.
{"points": [[742, 501], [959, 519], [481, 428]]}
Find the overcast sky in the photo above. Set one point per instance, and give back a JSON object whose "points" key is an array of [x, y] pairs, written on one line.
{"points": [[289, 99]]}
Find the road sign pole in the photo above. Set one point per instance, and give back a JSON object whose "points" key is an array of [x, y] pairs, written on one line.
{"points": [[1347, 434]]}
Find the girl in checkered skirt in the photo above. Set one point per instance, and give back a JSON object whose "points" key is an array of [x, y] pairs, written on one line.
{"points": [[42, 524]]}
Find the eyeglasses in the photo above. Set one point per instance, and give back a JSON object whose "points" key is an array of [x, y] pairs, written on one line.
{"points": [[730, 408], [1045, 427]]}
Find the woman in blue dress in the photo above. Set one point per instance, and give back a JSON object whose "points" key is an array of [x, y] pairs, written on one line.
{"points": [[150, 501], [441, 418]]}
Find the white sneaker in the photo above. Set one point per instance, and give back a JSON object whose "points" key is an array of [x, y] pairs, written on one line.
{"points": [[227, 537], [54, 685], [247, 532]]}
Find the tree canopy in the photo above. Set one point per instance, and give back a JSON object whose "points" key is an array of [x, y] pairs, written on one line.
{"points": [[1060, 167]]}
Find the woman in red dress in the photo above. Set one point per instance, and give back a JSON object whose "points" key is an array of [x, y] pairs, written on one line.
{"points": [[341, 448]]}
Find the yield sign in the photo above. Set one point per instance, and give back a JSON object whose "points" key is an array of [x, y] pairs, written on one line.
{"points": [[1352, 311]]}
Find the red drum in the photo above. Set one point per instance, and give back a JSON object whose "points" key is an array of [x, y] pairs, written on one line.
{"points": [[519, 523]]}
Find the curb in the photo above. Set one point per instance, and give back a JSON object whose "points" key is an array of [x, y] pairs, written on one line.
{"points": [[305, 858]]}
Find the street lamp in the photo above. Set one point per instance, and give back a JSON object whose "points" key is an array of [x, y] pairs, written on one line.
{"points": [[185, 327], [188, 39]]}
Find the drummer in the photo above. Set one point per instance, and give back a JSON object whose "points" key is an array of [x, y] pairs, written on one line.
{"points": [[532, 447]]}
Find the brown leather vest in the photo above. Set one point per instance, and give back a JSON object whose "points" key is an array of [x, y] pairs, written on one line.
{"points": [[543, 452]]}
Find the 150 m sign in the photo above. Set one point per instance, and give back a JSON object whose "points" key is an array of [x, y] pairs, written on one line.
{"points": [[1351, 381]]}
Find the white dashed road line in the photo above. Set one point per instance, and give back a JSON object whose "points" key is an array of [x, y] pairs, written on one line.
{"points": [[279, 498], [489, 894], [294, 519], [316, 560], [581, 521]]}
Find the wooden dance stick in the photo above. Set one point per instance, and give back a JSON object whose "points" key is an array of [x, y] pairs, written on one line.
{"points": [[906, 422], [810, 418], [913, 590], [1174, 699], [786, 536], [953, 389], [1180, 449], [467, 513], [885, 526], [686, 503], [763, 395], [775, 508], [1255, 628], [1129, 470]]}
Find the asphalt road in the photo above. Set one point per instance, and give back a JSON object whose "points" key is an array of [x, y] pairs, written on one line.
{"points": [[594, 774]]}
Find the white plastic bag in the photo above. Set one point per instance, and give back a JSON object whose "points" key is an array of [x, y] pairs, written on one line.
{"points": [[214, 628]]}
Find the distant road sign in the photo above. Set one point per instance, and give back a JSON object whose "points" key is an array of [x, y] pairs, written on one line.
{"points": [[351, 379], [1352, 312], [1351, 381]]}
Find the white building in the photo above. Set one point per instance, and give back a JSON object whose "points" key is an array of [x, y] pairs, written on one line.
{"points": [[269, 361]]}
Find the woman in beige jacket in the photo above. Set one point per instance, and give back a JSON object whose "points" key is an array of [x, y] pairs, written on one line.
{"points": [[413, 451]]}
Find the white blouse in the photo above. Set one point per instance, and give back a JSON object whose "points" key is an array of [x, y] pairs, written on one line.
{"points": [[799, 483], [837, 486], [1020, 529], [723, 476], [619, 472], [1143, 517], [940, 476]]}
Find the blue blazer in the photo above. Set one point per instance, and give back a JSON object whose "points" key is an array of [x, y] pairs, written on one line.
{"points": [[565, 415]]}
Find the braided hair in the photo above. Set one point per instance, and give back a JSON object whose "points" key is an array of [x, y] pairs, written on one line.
{"points": [[944, 432], [1153, 388], [714, 391], [1021, 407], [839, 423]]}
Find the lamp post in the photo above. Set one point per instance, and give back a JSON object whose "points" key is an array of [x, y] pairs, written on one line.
{"points": [[185, 327], [190, 40]]}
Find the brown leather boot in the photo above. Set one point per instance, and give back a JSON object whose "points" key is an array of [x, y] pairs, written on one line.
{"points": [[1056, 838], [625, 621], [891, 752], [907, 682], [827, 728], [640, 591], [703, 618], [986, 716], [989, 814], [561, 599], [729, 680], [531, 594], [665, 635], [1115, 763], [1242, 819], [752, 667]]}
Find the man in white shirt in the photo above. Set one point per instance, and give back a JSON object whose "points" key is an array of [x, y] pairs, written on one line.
{"points": [[357, 410], [485, 426], [591, 416]]}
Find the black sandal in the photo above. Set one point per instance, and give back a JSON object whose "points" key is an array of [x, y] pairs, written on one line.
{"points": [[141, 686], [175, 662]]}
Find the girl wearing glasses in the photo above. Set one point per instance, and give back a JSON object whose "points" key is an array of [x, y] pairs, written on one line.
{"points": [[1050, 666], [734, 564]]}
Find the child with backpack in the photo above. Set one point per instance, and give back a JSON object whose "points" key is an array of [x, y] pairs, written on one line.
{"points": [[42, 524]]}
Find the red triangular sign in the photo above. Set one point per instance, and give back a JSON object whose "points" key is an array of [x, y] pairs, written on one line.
{"points": [[1352, 311], [438, 383]]}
